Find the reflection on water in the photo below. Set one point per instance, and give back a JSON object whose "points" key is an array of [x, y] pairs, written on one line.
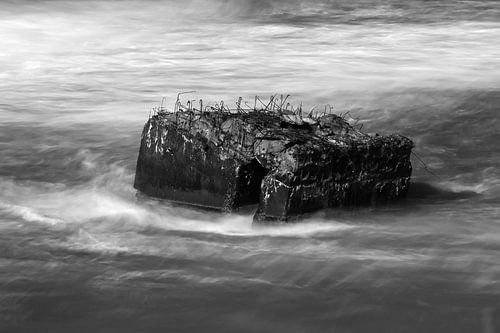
{"points": [[80, 252]]}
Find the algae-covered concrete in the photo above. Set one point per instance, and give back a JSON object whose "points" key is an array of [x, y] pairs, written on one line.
{"points": [[287, 164]]}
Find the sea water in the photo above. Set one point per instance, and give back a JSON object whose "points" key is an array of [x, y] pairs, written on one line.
{"points": [[79, 252]]}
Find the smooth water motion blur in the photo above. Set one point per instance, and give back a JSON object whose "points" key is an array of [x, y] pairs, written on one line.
{"points": [[79, 252]]}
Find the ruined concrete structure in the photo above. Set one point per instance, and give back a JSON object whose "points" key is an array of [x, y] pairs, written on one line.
{"points": [[287, 164]]}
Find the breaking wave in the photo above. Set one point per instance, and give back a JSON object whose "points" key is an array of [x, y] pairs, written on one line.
{"points": [[104, 214]]}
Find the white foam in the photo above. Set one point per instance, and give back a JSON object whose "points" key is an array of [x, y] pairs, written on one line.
{"points": [[109, 200], [28, 214]]}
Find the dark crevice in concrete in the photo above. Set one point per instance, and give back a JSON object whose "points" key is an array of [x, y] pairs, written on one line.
{"points": [[249, 180]]}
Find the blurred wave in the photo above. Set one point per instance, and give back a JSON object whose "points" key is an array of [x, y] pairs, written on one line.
{"points": [[293, 11], [80, 60]]}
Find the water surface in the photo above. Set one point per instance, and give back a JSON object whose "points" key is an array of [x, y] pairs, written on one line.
{"points": [[79, 252]]}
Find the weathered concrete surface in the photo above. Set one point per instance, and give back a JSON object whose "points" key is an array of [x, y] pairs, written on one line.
{"points": [[286, 164]]}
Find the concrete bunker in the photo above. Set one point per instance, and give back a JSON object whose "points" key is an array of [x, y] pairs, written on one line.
{"points": [[286, 163]]}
